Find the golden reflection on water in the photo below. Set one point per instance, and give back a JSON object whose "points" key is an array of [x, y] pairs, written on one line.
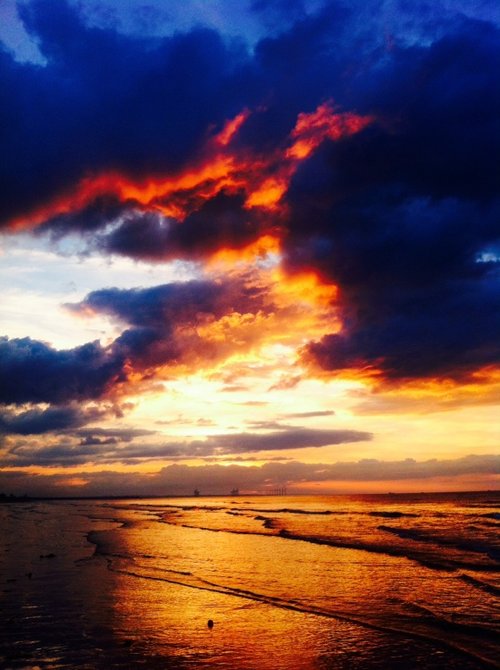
{"points": [[271, 597], [172, 616], [264, 596]]}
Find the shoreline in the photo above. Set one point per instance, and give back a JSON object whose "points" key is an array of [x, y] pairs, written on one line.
{"points": [[11, 498]]}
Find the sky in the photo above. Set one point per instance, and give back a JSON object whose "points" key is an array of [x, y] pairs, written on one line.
{"points": [[249, 245]]}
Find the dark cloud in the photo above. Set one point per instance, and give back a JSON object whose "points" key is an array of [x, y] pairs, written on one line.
{"points": [[447, 334], [438, 110], [104, 210], [90, 440], [32, 371], [53, 419], [112, 227], [102, 446], [143, 106], [287, 437], [300, 68], [107, 101], [221, 221], [161, 307], [399, 214], [67, 455], [111, 435], [309, 415], [157, 313]]}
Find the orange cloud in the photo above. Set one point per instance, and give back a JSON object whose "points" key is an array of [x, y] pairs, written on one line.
{"points": [[286, 311], [311, 129], [264, 179], [432, 395], [260, 248]]}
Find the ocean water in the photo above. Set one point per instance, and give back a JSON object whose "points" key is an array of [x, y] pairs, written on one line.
{"points": [[345, 582]]}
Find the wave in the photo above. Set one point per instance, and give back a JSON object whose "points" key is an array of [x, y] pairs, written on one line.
{"points": [[443, 552], [408, 534], [235, 511], [266, 522], [480, 584], [392, 515], [288, 510], [432, 561], [461, 544], [429, 628], [428, 561]]}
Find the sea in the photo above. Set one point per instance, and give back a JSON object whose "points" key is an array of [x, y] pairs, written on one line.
{"points": [[252, 582]]}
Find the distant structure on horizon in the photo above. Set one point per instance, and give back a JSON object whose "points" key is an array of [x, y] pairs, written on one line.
{"points": [[196, 492], [235, 492], [278, 492]]}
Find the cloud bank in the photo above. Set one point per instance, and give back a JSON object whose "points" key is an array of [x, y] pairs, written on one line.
{"points": [[179, 479]]}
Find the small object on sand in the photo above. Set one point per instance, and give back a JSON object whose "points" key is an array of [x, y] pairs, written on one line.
{"points": [[210, 623]]}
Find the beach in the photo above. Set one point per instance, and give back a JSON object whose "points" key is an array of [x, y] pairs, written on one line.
{"points": [[288, 582]]}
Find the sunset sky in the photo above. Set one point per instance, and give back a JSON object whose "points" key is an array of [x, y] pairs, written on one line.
{"points": [[249, 244]]}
